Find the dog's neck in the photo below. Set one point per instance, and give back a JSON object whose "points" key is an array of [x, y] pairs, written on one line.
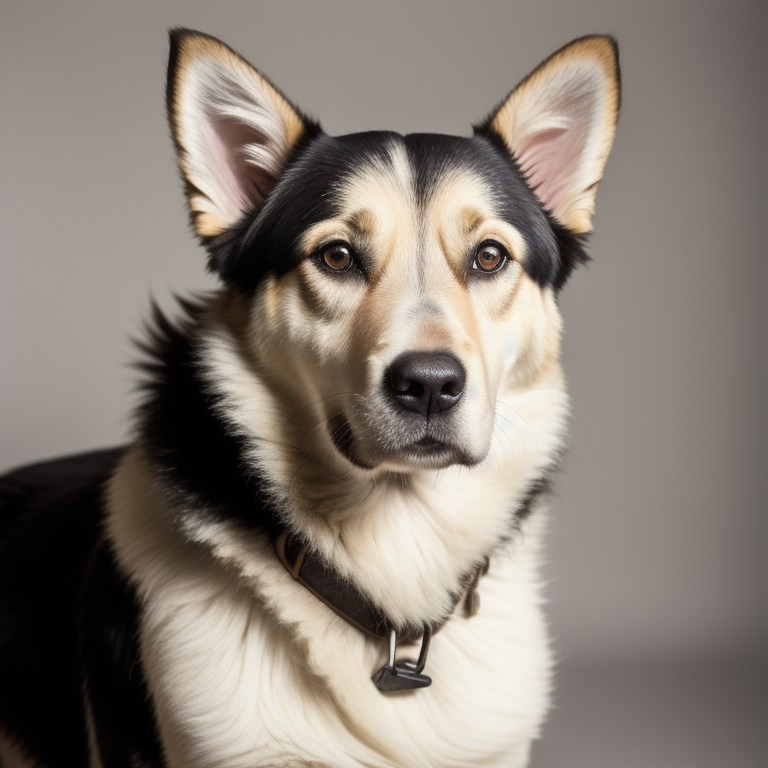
{"points": [[340, 595]]}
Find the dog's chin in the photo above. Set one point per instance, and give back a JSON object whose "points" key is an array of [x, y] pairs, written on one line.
{"points": [[423, 453], [429, 453]]}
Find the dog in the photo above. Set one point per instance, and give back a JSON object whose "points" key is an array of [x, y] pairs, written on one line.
{"points": [[321, 547]]}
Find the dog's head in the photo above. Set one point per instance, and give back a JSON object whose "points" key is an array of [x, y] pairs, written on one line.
{"points": [[395, 285]]}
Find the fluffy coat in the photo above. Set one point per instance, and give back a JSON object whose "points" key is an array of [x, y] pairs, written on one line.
{"points": [[379, 375]]}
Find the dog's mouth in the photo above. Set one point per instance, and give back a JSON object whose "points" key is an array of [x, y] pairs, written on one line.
{"points": [[425, 452], [428, 446]]}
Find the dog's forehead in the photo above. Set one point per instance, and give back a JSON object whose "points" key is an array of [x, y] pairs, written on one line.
{"points": [[417, 166], [347, 176]]}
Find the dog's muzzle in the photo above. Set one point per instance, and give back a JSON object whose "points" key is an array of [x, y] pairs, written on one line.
{"points": [[415, 426]]}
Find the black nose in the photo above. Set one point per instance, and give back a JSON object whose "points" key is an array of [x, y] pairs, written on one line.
{"points": [[426, 382]]}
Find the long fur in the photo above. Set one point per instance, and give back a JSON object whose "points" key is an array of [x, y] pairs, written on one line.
{"points": [[379, 376]]}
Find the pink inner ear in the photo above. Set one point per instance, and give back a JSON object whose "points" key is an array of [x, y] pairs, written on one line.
{"points": [[549, 160], [552, 158], [239, 185]]}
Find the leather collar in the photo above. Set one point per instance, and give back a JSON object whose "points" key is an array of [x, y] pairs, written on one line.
{"points": [[348, 602]]}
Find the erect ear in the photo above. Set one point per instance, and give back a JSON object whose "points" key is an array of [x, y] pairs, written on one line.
{"points": [[559, 123], [233, 130]]}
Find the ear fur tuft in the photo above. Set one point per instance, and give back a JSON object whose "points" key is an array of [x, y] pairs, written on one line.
{"points": [[233, 130], [559, 124]]}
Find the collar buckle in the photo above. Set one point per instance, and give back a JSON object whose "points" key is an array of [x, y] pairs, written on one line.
{"points": [[404, 675]]}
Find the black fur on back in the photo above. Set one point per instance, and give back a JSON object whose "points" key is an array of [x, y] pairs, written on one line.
{"points": [[62, 601], [123, 715]]}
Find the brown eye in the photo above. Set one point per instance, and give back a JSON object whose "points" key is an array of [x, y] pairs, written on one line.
{"points": [[337, 257], [490, 257]]}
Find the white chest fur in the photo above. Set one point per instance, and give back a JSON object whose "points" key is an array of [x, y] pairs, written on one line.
{"points": [[247, 668]]}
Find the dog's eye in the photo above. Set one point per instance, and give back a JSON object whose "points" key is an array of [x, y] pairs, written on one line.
{"points": [[490, 257], [337, 257]]}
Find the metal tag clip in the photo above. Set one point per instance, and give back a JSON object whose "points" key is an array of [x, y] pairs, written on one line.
{"points": [[404, 675]]}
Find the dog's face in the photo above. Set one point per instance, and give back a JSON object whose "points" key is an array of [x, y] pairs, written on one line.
{"points": [[409, 300], [396, 286]]}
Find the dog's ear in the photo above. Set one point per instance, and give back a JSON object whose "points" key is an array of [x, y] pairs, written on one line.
{"points": [[559, 124], [233, 130]]}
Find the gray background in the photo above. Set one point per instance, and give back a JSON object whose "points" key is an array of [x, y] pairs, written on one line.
{"points": [[657, 552]]}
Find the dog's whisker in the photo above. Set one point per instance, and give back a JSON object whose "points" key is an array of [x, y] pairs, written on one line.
{"points": [[506, 434], [293, 478], [504, 453], [515, 427], [335, 447], [323, 432], [298, 392], [313, 405], [518, 417]]}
